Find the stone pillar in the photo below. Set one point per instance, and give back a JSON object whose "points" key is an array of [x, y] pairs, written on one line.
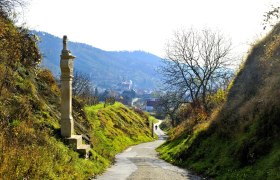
{"points": [[66, 65]]}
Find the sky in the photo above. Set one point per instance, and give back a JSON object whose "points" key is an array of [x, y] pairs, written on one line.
{"points": [[116, 25]]}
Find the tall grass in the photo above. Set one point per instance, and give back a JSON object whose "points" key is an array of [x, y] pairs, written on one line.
{"points": [[241, 138]]}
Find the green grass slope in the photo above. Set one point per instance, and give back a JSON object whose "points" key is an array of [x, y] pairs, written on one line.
{"points": [[241, 139], [30, 143], [115, 128]]}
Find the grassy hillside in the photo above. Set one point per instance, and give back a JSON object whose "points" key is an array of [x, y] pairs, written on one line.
{"points": [[115, 128], [106, 68], [30, 143], [241, 139]]}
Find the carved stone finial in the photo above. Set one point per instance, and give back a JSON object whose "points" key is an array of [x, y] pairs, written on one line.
{"points": [[65, 53], [65, 42]]}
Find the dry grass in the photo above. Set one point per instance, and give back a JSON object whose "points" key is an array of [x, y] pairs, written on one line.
{"points": [[241, 138], [30, 143]]}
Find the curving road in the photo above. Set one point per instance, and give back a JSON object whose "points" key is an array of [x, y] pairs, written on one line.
{"points": [[141, 162]]}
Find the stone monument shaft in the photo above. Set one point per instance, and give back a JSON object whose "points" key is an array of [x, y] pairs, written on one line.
{"points": [[66, 65]]}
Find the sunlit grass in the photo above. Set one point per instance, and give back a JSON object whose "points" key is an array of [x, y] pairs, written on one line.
{"points": [[240, 139]]}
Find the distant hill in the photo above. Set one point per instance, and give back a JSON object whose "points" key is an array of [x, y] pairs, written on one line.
{"points": [[106, 68]]}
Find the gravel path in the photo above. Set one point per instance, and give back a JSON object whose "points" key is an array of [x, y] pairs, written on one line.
{"points": [[141, 162]]}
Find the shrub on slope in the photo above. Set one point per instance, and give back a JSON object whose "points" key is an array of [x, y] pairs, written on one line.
{"points": [[241, 141], [30, 142]]}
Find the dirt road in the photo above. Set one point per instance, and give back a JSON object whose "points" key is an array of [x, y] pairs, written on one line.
{"points": [[141, 162]]}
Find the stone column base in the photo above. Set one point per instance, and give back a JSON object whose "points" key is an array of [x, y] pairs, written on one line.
{"points": [[76, 142]]}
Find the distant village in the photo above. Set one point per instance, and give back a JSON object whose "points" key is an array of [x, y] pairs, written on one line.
{"points": [[126, 93]]}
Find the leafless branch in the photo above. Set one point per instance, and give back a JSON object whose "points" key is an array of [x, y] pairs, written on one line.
{"points": [[8, 7], [194, 61]]}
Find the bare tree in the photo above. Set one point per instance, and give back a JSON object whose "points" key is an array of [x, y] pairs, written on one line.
{"points": [[168, 104], [194, 60], [8, 7], [83, 88], [271, 17], [81, 83]]}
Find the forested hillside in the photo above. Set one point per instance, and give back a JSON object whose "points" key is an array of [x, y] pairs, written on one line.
{"points": [[240, 139], [106, 68], [31, 146]]}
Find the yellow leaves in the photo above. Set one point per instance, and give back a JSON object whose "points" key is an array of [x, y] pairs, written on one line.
{"points": [[17, 45], [201, 116], [218, 98], [4, 28], [46, 76], [272, 47]]}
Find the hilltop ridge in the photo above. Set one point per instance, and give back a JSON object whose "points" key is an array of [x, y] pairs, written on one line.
{"points": [[106, 68]]}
